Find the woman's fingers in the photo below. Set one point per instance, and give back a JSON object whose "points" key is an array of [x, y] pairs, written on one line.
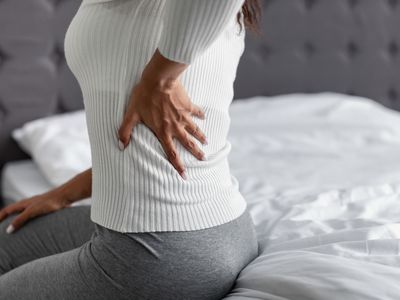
{"points": [[21, 219], [31, 208], [194, 130], [125, 131], [169, 148], [197, 111], [10, 209], [190, 145]]}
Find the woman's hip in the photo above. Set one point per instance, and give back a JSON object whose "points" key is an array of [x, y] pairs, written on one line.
{"points": [[237, 237], [199, 264]]}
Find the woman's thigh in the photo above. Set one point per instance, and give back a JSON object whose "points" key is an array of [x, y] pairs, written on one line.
{"points": [[69, 275], [45, 235]]}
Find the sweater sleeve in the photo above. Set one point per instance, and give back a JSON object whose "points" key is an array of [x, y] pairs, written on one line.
{"points": [[191, 26]]}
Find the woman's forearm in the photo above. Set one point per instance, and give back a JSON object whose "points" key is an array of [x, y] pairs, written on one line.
{"points": [[77, 188], [162, 72]]}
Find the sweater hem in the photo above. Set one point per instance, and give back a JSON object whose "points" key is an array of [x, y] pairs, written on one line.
{"points": [[236, 208]]}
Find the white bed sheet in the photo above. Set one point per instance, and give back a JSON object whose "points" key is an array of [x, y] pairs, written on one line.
{"points": [[23, 179], [321, 175]]}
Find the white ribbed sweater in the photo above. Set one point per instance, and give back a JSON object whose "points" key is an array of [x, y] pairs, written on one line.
{"points": [[107, 46]]}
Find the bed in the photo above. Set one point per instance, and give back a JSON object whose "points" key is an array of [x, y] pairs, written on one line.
{"points": [[315, 136]]}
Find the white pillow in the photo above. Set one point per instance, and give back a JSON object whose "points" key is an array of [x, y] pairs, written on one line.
{"points": [[59, 144]]}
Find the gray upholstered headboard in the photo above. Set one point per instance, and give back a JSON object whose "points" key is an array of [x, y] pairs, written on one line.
{"points": [[347, 46]]}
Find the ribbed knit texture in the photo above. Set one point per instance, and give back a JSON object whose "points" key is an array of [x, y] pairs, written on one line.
{"points": [[107, 46]]}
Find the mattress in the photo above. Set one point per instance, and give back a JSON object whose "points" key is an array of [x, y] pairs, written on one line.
{"points": [[23, 179], [321, 176]]}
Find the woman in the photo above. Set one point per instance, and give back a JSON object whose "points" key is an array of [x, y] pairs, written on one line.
{"points": [[167, 220]]}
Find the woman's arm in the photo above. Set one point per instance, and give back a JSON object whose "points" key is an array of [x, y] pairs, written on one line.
{"points": [[191, 26], [159, 100], [75, 189]]}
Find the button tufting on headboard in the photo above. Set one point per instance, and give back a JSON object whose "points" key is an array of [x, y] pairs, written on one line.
{"points": [[266, 52], [265, 3], [309, 4], [393, 49], [393, 3], [3, 57], [309, 49], [55, 2], [351, 92], [352, 49], [353, 3], [392, 94], [2, 111], [60, 105], [57, 55]]}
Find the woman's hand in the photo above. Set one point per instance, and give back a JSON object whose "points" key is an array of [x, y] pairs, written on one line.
{"points": [[77, 188], [167, 110], [32, 207]]}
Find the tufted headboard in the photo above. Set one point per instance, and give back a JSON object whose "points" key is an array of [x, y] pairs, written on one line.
{"points": [[347, 46]]}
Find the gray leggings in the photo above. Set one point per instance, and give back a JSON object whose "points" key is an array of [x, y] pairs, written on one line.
{"points": [[64, 255]]}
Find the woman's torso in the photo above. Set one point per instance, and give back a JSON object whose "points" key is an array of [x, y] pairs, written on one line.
{"points": [[107, 46]]}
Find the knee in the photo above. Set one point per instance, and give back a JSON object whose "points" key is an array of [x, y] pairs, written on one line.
{"points": [[5, 257], [6, 263]]}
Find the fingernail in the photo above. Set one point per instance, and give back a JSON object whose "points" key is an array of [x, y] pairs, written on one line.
{"points": [[10, 228], [183, 175], [121, 145], [206, 142]]}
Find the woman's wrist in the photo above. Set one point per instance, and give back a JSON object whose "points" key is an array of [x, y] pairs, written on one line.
{"points": [[161, 72], [77, 188], [61, 194]]}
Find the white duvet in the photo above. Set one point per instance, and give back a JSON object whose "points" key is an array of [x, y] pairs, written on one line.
{"points": [[321, 175]]}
